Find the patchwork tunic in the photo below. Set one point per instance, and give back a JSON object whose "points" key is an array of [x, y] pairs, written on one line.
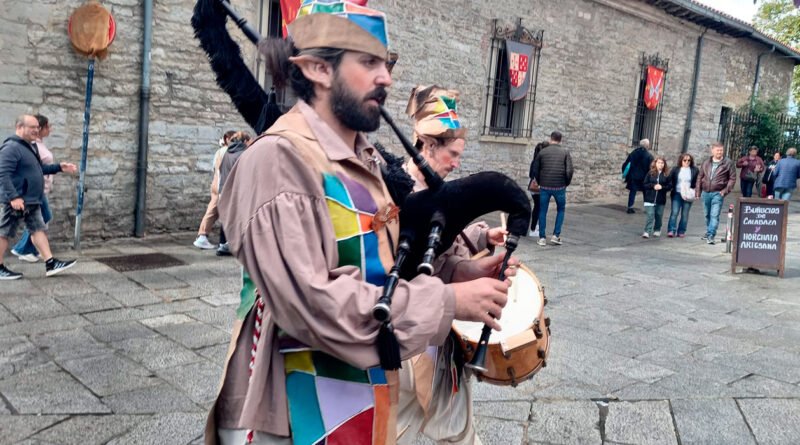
{"points": [[300, 215]]}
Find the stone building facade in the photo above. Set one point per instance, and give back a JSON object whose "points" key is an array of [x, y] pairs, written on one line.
{"points": [[587, 87]]}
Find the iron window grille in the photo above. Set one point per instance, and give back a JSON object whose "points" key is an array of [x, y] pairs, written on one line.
{"points": [[647, 122], [504, 117]]}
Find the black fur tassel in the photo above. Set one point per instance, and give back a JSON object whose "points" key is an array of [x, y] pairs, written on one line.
{"points": [[399, 183], [233, 76], [388, 347]]}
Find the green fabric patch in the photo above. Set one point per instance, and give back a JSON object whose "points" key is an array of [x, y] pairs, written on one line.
{"points": [[328, 366], [247, 296]]}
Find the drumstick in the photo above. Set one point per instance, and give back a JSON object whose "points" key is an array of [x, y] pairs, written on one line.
{"points": [[503, 217]]}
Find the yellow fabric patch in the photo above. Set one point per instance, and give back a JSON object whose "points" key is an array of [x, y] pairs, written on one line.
{"points": [[299, 361]]}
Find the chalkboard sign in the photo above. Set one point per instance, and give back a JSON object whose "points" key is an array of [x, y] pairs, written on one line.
{"points": [[759, 239]]}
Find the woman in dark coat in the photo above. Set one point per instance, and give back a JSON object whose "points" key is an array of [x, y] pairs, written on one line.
{"points": [[656, 185], [535, 194], [769, 177], [639, 161]]}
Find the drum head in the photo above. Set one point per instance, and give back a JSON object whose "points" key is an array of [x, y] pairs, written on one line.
{"points": [[525, 304]]}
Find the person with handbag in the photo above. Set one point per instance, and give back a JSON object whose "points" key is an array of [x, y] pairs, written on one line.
{"points": [[684, 180], [533, 187], [752, 166], [634, 170]]}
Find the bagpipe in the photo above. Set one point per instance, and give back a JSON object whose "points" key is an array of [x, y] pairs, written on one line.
{"points": [[430, 220]]}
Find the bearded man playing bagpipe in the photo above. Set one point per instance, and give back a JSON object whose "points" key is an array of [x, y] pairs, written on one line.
{"points": [[309, 217]]}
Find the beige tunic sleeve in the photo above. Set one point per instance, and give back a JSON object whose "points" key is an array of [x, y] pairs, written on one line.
{"points": [[278, 226]]}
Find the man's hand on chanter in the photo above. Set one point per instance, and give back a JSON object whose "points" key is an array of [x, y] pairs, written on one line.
{"points": [[481, 300]]}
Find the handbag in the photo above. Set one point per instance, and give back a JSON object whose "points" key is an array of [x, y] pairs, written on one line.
{"points": [[687, 193], [533, 186], [625, 171], [751, 176]]}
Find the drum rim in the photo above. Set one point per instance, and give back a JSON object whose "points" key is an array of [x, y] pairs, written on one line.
{"points": [[498, 342]]}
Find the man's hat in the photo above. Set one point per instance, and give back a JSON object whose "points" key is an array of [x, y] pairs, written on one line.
{"points": [[435, 111], [340, 24]]}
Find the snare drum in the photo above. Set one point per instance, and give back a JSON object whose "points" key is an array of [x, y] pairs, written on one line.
{"points": [[520, 350]]}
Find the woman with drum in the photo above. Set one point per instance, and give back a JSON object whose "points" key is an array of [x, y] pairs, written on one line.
{"points": [[433, 398]]}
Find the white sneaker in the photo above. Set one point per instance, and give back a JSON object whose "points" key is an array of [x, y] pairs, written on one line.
{"points": [[29, 258], [542, 242], [657, 233], [645, 235], [532, 234], [14, 252], [556, 240], [202, 243]]}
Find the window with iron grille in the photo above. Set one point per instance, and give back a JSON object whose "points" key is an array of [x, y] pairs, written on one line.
{"points": [[647, 121], [504, 117]]}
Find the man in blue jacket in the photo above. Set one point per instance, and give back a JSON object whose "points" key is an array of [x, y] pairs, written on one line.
{"points": [[786, 174], [21, 192]]}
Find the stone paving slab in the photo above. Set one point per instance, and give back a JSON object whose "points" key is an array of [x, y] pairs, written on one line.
{"points": [[50, 393], [14, 429], [161, 398], [156, 352], [110, 374], [84, 303], [198, 380], [89, 430], [773, 421], [171, 428], [65, 345], [709, 422], [640, 422], [574, 422]]}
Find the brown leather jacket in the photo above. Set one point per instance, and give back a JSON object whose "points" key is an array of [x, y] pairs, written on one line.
{"points": [[723, 180]]}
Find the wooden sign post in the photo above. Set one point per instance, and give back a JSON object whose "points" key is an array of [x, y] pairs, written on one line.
{"points": [[759, 239]]}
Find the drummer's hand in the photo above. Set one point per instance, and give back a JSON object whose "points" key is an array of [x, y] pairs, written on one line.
{"points": [[484, 267], [496, 236], [481, 300]]}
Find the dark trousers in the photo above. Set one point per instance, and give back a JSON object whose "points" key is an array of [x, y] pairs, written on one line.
{"points": [[222, 239], [535, 212], [632, 197], [747, 188]]}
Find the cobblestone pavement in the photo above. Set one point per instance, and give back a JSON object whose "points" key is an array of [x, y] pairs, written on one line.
{"points": [[653, 341]]}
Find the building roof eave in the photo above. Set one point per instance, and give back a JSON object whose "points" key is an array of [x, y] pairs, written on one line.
{"points": [[695, 12]]}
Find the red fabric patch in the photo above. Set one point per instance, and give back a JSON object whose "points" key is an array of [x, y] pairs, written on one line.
{"points": [[356, 431]]}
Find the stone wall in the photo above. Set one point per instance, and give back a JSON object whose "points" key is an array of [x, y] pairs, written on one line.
{"points": [[589, 71], [188, 113]]}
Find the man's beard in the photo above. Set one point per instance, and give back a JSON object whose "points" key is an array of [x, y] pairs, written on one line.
{"points": [[355, 114]]}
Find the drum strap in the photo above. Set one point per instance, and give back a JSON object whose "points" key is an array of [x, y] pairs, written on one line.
{"points": [[458, 355], [473, 250]]}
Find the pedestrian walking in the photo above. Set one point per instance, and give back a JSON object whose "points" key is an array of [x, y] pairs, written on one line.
{"points": [[552, 169], [24, 249], [716, 179], [656, 185], [212, 214], [533, 188], [21, 193], [684, 185], [769, 176], [634, 170], [752, 167], [237, 144], [787, 172]]}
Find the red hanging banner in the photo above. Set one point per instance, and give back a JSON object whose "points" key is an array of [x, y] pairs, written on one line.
{"points": [[289, 10], [655, 87]]}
